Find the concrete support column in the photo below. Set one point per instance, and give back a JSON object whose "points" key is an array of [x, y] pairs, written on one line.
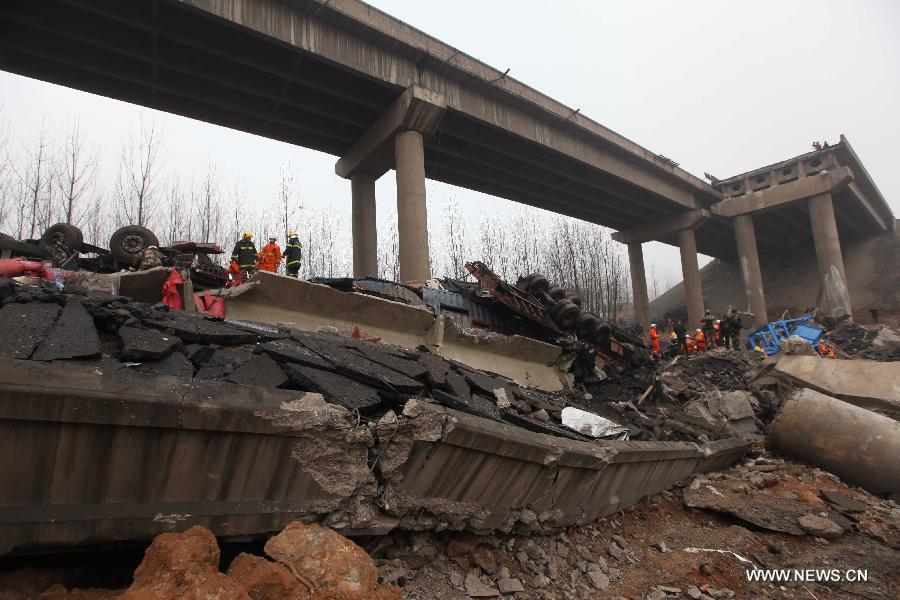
{"points": [[748, 256], [690, 271], [412, 225], [365, 230], [830, 260], [639, 284]]}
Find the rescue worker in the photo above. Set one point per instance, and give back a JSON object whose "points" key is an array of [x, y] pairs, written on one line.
{"points": [[681, 333], [654, 341], [270, 256], [237, 276], [735, 327], [825, 351], [761, 352], [244, 254], [874, 312], [717, 327], [700, 341], [709, 330], [293, 253], [150, 257]]}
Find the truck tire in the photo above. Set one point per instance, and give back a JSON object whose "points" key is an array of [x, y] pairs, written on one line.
{"points": [[564, 314], [61, 241], [538, 283], [585, 325], [127, 243], [556, 292]]}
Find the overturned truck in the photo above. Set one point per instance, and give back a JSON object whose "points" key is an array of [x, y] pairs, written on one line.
{"points": [[120, 420]]}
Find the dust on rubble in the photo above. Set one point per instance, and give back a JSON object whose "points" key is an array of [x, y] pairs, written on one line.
{"points": [[695, 542]]}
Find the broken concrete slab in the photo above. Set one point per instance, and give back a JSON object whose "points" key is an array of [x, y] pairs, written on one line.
{"points": [[294, 352], [437, 368], [196, 328], [259, 371], [23, 326], [174, 365], [337, 388], [410, 368], [868, 384], [223, 362], [73, 336], [765, 511], [857, 445], [353, 364], [145, 344]]}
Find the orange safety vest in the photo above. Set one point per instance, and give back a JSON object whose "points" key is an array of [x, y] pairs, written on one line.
{"points": [[270, 257], [700, 341]]}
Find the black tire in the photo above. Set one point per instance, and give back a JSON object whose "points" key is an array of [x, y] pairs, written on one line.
{"points": [[61, 241], [556, 292], [565, 315], [127, 243], [601, 333], [539, 283], [586, 324]]}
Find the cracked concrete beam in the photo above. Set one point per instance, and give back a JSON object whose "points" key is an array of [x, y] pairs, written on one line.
{"points": [[785, 193], [662, 228]]}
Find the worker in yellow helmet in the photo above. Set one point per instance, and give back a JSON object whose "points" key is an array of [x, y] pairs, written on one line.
{"points": [[293, 253], [244, 254]]}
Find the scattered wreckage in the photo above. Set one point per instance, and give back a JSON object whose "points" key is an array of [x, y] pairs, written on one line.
{"points": [[62, 246]]}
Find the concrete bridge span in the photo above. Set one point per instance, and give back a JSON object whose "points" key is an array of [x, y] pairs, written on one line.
{"points": [[344, 78]]}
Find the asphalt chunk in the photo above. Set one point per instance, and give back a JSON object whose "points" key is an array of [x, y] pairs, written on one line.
{"points": [[457, 386], [176, 365], [437, 368], [223, 362], [23, 326], [336, 388], [260, 371], [294, 352], [203, 331], [73, 336], [145, 344], [410, 368], [353, 364]]}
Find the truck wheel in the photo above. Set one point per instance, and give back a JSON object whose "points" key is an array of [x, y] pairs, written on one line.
{"points": [[556, 292], [61, 240], [127, 243], [586, 324]]}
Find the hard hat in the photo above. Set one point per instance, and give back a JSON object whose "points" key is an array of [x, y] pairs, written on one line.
{"points": [[247, 234], [652, 324], [718, 321], [151, 248], [698, 331], [272, 238], [757, 348], [292, 234]]}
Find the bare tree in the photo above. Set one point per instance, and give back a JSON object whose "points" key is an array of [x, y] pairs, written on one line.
{"points": [[389, 248], [288, 198], [457, 241], [33, 175], [138, 177], [76, 175], [208, 206]]}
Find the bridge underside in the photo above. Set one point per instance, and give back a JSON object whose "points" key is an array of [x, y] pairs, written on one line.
{"points": [[171, 57]]}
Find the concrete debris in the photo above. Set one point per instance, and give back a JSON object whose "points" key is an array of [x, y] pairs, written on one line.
{"points": [[881, 343], [137, 344], [590, 424], [259, 371], [73, 336], [24, 326], [820, 526], [856, 444]]}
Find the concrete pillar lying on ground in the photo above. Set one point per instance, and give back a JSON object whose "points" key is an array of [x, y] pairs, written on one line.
{"points": [[639, 284], [365, 230], [394, 141], [830, 260], [857, 445], [412, 224], [690, 271], [748, 256]]}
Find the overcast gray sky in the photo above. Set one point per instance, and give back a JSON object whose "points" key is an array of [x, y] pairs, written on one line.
{"points": [[718, 86]]}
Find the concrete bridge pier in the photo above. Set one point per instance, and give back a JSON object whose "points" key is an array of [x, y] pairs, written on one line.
{"points": [[639, 284], [412, 225], [365, 227], [830, 260], [748, 257], [683, 224], [690, 272], [395, 141]]}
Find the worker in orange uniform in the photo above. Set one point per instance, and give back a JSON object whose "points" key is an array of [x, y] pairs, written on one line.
{"points": [[825, 351], [237, 275], [270, 256], [700, 341], [654, 341]]}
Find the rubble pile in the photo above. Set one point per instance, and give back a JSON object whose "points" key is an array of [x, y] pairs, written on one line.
{"points": [[696, 398], [880, 343], [695, 542], [368, 378]]}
